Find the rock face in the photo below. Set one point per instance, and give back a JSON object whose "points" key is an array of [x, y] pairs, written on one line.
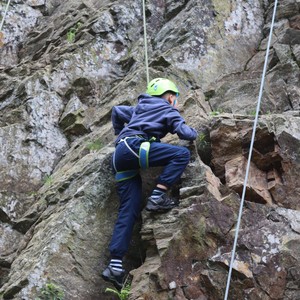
{"points": [[65, 64]]}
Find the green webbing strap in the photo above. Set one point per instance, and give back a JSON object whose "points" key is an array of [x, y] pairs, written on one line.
{"points": [[144, 155], [124, 175]]}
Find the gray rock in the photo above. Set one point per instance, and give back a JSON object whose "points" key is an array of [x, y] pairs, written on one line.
{"points": [[65, 64]]}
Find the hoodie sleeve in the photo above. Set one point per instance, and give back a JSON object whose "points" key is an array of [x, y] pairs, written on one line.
{"points": [[178, 126], [120, 116]]}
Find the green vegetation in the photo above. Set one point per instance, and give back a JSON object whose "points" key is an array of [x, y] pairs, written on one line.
{"points": [[123, 294], [48, 180], [71, 34], [202, 141], [32, 194], [95, 145], [51, 292], [216, 112], [202, 137]]}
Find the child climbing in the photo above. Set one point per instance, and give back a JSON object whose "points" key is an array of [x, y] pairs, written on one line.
{"points": [[138, 146]]}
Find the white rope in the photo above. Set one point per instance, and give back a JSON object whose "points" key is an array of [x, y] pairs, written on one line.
{"points": [[145, 41], [4, 16], [250, 152]]}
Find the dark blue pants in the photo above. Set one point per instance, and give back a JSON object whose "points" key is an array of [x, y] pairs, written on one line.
{"points": [[173, 158]]}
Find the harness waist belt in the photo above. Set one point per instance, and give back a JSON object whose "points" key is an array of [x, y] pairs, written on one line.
{"points": [[130, 137]]}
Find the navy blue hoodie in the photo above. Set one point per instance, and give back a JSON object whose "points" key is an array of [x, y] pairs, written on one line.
{"points": [[151, 117]]}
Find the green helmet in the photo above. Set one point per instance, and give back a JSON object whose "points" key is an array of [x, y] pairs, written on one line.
{"points": [[159, 86]]}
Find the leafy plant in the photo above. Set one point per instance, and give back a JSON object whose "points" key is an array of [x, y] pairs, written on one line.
{"points": [[216, 112], [72, 32], [204, 145], [123, 294], [48, 180], [71, 35], [202, 137], [95, 145], [51, 292], [202, 141]]}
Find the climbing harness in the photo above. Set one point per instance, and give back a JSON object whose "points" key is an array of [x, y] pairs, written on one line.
{"points": [[250, 151], [125, 175], [124, 140], [145, 41], [143, 158]]}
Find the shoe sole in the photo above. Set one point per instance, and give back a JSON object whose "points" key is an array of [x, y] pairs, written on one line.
{"points": [[114, 282], [157, 208]]}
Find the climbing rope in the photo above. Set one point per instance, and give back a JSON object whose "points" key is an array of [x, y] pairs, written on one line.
{"points": [[1, 25], [250, 151], [252, 138], [145, 41], [4, 16]]}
